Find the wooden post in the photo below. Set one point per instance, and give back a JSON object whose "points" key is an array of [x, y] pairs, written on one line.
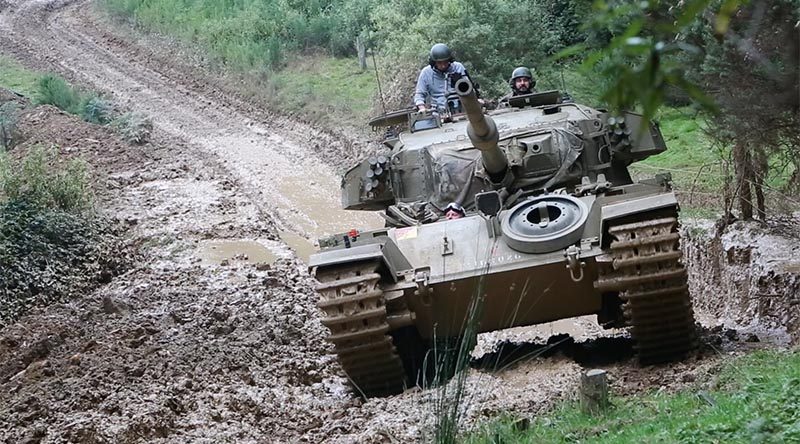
{"points": [[594, 392], [361, 48]]}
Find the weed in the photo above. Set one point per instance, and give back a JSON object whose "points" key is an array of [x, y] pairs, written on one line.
{"points": [[53, 90], [51, 243], [97, 110], [134, 127], [40, 183]]}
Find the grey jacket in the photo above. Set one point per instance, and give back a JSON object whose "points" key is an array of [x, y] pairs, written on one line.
{"points": [[435, 84]]}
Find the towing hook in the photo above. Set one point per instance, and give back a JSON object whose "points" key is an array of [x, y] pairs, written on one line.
{"points": [[574, 264]]}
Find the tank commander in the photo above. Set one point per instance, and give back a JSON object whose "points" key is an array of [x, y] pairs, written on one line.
{"points": [[436, 79], [521, 82]]}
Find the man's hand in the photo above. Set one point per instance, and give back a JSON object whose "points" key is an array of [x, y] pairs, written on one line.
{"points": [[421, 108]]}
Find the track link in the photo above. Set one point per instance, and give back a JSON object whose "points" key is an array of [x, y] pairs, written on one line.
{"points": [[355, 314], [651, 280]]}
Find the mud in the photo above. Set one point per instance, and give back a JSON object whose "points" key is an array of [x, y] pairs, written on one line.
{"points": [[181, 349], [746, 276]]}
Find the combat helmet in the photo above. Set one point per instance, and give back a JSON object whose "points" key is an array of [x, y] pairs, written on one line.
{"points": [[439, 52], [521, 71]]}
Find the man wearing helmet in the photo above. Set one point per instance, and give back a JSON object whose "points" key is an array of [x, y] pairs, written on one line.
{"points": [[453, 211], [436, 79], [521, 82]]}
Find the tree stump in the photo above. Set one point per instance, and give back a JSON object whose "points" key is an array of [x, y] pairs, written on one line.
{"points": [[594, 392]]}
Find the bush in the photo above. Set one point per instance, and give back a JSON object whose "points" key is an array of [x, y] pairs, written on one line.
{"points": [[39, 182], [97, 110], [51, 244], [134, 127], [53, 90], [8, 125]]}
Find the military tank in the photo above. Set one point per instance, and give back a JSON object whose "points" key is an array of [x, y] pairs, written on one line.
{"points": [[554, 227]]}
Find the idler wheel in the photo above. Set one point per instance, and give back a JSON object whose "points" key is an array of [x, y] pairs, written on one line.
{"points": [[544, 224]]}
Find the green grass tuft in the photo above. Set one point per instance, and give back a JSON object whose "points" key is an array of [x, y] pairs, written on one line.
{"points": [[53, 90]]}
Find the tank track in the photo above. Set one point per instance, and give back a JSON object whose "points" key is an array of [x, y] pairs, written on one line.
{"points": [[651, 280], [355, 314]]}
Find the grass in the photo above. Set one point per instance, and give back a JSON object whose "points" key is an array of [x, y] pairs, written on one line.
{"points": [[755, 402], [15, 77], [690, 156], [320, 85]]}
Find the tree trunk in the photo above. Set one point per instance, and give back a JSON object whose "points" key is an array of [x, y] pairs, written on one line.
{"points": [[760, 169], [742, 168]]}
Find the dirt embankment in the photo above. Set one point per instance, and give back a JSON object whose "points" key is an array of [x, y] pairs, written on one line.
{"points": [[747, 276]]}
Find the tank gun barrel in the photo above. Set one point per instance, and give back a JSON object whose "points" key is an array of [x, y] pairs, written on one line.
{"points": [[482, 131]]}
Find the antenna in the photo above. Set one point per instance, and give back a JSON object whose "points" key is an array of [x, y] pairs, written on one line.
{"points": [[565, 94], [378, 80]]}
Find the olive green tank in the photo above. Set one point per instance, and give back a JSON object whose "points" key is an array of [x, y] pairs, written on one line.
{"points": [[553, 228]]}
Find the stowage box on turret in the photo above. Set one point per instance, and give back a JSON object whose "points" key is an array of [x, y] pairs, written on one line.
{"points": [[554, 228]]}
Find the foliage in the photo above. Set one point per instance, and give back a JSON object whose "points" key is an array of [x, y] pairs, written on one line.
{"points": [[752, 74], [134, 127], [38, 181], [254, 34], [755, 403], [54, 90], [97, 110], [51, 243], [490, 37], [8, 125]]}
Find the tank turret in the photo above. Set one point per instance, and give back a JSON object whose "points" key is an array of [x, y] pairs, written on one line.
{"points": [[482, 131]]}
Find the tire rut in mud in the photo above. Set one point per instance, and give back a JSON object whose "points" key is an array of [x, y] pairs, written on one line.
{"points": [[652, 283]]}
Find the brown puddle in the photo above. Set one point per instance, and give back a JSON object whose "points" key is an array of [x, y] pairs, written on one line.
{"points": [[791, 267], [217, 251], [302, 247]]}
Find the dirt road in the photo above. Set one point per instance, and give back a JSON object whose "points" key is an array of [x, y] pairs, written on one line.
{"points": [[196, 343]]}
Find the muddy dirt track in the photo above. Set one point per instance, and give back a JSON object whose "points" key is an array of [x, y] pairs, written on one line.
{"points": [[197, 345]]}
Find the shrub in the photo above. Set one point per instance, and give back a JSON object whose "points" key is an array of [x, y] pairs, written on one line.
{"points": [[97, 110], [134, 127], [53, 90], [51, 244], [38, 181]]}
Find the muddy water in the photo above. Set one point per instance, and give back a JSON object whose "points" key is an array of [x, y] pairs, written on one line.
{"points": [[302, 247], [218, 251]]}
